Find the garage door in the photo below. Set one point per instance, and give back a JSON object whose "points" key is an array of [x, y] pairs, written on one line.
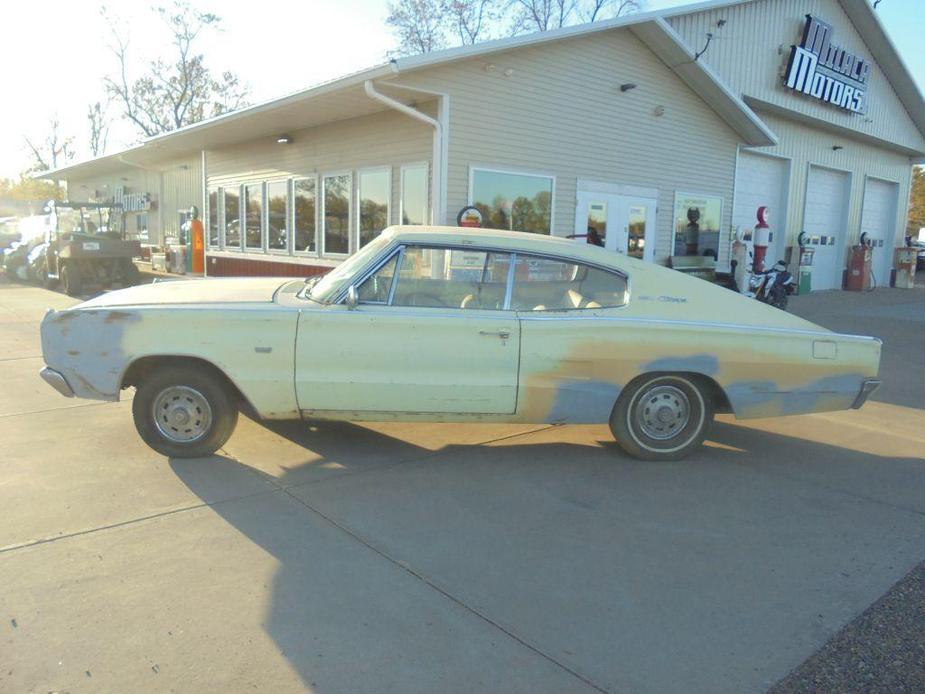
{"points": [[761, 181], [825, 220], [878, 220]]}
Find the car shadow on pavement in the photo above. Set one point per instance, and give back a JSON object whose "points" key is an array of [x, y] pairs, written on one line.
{"points": [[334, 604]]}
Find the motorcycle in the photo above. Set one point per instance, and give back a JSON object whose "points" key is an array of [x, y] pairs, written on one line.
{"points": [[772, 286]]}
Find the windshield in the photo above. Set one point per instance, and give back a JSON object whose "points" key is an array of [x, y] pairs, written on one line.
{"points": [[328, 287], [85, 220]]}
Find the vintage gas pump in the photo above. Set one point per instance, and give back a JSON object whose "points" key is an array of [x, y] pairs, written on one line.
{"points": [[805, 282], [196, 248], [761, 238], [739, 256], [859, 265], [905, 267]]}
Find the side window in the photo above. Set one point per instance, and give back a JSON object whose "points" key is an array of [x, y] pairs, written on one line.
{"points": [[542, 284], [451, 278], [376, 288]]}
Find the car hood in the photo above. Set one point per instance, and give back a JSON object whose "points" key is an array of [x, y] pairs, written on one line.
{"points": [[207, 291]]}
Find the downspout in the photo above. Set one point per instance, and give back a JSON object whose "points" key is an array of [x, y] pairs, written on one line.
{"points": [[437, 213]]}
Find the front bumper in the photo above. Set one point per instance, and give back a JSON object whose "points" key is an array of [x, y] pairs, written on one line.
{"points": [[57, 381], [867, 387]]}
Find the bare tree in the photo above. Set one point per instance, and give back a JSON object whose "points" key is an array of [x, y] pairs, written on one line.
{"points": [[419, 24], [471, 19], [542, 15], [98, 121], [178, 90], [55, 151], [592, 10]]}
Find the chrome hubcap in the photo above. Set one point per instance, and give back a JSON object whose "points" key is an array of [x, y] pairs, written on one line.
{"points": [[663, 412], [182, 414]]}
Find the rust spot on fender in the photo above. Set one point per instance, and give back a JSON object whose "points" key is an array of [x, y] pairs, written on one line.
{"points": [[115, 316]]}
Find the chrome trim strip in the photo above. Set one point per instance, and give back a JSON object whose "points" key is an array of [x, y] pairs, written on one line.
{"points": [[57, 381], [867, 388]]}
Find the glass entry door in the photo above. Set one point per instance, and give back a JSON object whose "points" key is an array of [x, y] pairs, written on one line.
{"points": [[621, 223]]}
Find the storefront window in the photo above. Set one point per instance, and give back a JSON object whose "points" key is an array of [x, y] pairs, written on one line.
{"points": [[636, 242], [337, 214], [141, 227], [253, 216], [232, 218], [212, 213], [697, 220], [519, 202], [304, 204], [278, 215], [375, 191], [597, 223], [414, 194]]}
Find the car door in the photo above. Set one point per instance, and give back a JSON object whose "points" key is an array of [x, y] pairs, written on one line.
{"points": [[429, 334], [573, 359]]}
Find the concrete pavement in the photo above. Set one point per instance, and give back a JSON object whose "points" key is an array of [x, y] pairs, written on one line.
{"points": [[418, 558]]}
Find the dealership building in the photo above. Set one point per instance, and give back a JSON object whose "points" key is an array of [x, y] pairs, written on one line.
{"points": [[660, 134]]}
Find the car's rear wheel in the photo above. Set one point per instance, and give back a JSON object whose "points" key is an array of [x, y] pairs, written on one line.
{"points": [[183, 412], [662, 417]]}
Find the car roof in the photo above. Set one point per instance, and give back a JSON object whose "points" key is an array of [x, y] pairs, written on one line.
{"points": [[510, 240]]}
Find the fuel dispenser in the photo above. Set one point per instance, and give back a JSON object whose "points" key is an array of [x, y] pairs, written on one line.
{"points": [[859, 265], [761, 238], [805, 285], [905, 267]]}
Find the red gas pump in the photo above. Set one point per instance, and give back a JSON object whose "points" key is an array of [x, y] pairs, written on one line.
{"points": [[762, 238], [859, 265]]}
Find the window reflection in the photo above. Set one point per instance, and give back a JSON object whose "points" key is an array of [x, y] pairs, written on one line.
{"points": [[278, 215], [637, 232], [253, 215], [304, 202], [414, 195], [213, 217], [597, 223], [337, 214], [232, 218], [519, 202], [374, 204]]}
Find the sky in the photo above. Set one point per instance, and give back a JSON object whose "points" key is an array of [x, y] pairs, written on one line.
{"points": [[54, 54]]}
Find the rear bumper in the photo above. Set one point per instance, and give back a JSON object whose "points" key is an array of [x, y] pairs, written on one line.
{"points": [[57, 381], [867, 387]]}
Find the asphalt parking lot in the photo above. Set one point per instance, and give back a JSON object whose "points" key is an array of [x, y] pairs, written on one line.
{"points": [[422, 558]]}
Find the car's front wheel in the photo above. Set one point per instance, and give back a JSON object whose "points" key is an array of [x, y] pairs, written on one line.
{"points": [[183, 412], [662, 417]]}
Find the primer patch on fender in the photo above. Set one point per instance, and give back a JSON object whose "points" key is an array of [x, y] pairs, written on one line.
{"points": [[582, 401], [766, 399], [706, 364]]}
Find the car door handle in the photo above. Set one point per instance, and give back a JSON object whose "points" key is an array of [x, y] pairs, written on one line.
{"points": [[503, 334]]}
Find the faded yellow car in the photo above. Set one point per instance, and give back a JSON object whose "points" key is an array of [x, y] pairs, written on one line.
{"points": [[455, 325]]}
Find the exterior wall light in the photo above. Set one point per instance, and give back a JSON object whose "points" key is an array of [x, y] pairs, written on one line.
{"points": [[659, 111], [835, 148], [626, 87], [284, 140]]}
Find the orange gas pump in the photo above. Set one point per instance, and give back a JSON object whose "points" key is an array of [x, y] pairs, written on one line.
{"points": [[859, 266], [197, 243]]}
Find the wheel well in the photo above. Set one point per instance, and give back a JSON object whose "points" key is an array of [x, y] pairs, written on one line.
{"points": [[721, 404], [139, 369]]}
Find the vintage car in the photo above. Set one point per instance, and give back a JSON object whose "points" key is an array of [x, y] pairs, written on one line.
{"points": [[455, 325]]}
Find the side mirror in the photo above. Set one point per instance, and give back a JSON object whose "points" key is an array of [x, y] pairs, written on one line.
{"points": [[352, 298]]}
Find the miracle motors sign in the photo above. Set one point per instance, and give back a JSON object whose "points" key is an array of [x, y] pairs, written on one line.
{"points": [[822, 70]]}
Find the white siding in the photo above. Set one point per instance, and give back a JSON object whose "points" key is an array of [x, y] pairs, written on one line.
{"points": [[751, 50], [805, 146], [561, 112]]}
